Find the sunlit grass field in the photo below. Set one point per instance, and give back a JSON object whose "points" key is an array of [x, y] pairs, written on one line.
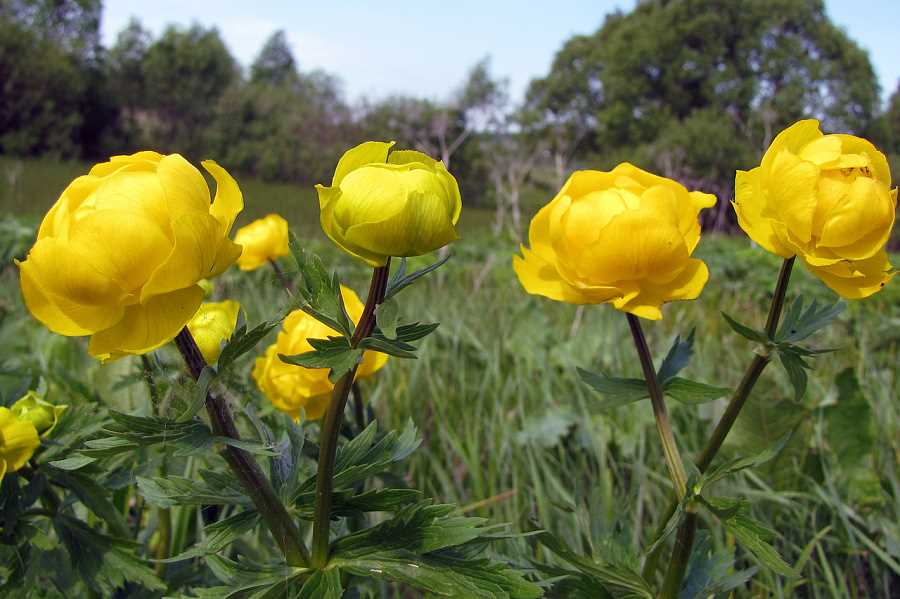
{"points": [[511, 434]]}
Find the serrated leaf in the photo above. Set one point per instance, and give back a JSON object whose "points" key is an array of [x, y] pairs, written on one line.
{"points": [[197, 397], [734, 466], [798, 324], [177, 490], [387, 316], [104, 563], [617, 579], [617, 391], [691, 392], [392, 347], [677, 358], [426, 547], [754, 537], [323, 585], [94, 497], [745, 331], [320, 292], [401, 280], [710, 573], [219, 535], [333, 353], [796, 370], [73, 463], [243, 341]]}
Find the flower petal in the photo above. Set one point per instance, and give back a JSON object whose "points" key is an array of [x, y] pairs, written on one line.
{"points": [[749, 204], [370, 152], [63, 291], [147, 326], [229, 200]]}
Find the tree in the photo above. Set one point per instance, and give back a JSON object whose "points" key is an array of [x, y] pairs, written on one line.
{"points": [[275, 63], [125, 62], [699, 87], [186, 72]]}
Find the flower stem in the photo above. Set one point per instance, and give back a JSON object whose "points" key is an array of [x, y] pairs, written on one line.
{"points": [[331, 423], [244, 467], [359, 408], [685, 538], [663, 426], [281, 276]]}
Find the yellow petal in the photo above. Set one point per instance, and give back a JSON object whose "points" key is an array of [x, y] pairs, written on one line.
{"points": [[867, 207], [822, 151], [201, 250], [229, 200], [856, 279], [792, 140], [538, 277], [147, 326], [647, 300], [792, 188], [212, 326], [63, 291], [123, 246], [749, 205], [370, 152], [18, 440], [876, 161], [186, 189], [409, 156]]}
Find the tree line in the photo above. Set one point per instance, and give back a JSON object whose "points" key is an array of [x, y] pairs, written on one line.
{"points": [[692, 89]]}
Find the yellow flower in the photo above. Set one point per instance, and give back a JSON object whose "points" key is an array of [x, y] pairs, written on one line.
{"points": [[43, 415], [18, 442], [264, 239], [826, 199], [384, 203], [120, 253], [293, 388], [212, 326], [623, 237]]}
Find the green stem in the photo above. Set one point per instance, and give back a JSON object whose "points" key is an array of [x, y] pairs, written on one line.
{"points": [[151, 381], [331, 423], [244, 467], [682, 550], [663, 426], [164, 538], [359, 408], [281, 276]]}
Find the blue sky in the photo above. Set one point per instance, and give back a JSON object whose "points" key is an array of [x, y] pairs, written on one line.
{"points": [[378, 47]]}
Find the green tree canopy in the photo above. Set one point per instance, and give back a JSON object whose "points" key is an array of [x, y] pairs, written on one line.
{"points": [[697, 88]]}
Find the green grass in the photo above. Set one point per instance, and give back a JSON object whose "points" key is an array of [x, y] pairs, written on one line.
{"points": [[510, 431]]}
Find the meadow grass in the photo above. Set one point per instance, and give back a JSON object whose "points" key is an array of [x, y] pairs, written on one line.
{"points": [[511, 434]]}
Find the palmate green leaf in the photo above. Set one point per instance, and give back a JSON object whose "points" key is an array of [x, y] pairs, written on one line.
{"points": [[619, 580], [243, 341], [245, 578], [214, 489], [677, 358], [366, 455], [323, 585], [400, 345], [710, 572], [731, 467], [320, 292], [347, 503], [621, 391], [94, 497], [755, 537], [333, 353], [691, 392], [103, 562], [745, 331], [426, 547], [796, 369], [400, 280], [618, 391], [387, 317], [219, 535], [799, 324]]}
